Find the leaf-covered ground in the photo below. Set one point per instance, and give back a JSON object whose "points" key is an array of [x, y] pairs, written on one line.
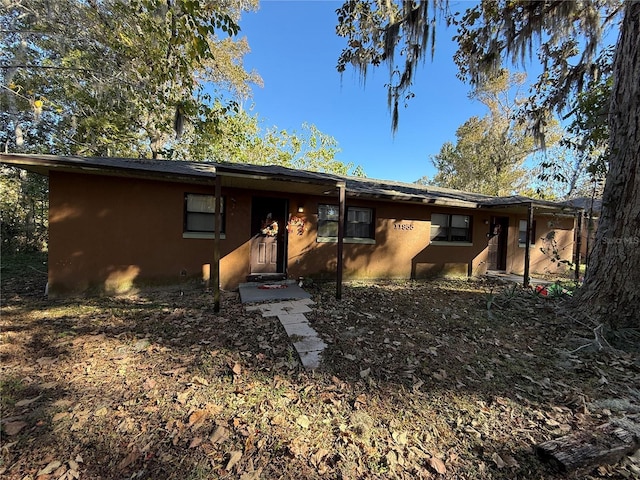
{"points": [[441, 379]]}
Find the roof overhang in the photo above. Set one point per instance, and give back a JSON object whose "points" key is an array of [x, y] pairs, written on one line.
{"points": [[204, 173], [539, 206], [275, 178]]}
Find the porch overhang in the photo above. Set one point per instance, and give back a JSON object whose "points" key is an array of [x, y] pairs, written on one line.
{"points": [[218, 176]]}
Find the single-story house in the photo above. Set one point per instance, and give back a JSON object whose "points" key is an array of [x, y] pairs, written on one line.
{"points": [[115, 223]]}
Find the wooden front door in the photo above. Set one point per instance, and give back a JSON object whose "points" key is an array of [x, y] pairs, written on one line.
{"points": [[498, 243], [264, 254], [268, 227]]}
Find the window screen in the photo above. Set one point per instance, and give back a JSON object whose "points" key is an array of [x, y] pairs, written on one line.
{"points": [[200, 213]]}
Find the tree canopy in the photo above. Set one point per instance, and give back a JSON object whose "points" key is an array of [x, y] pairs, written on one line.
{"points": [[489, 154], [117, 78], [566, 38], [240, 137]]}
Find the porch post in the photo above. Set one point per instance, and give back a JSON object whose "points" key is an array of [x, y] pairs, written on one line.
{"points": [[215, 268], [341, 214], [527, 245], [578, 245]]}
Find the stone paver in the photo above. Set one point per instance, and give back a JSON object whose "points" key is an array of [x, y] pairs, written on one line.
{"points": [[291, 315], [300, 330], [310, 360], [291, 318], [281, 308], [309, 344]]}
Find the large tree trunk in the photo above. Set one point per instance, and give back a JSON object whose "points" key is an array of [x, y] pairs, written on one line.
{"points": [[612, 286]]}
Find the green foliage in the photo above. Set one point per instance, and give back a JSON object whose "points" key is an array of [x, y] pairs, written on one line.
{"points": [[489, 154], [23, 211], [565, 36], [376, 31], [116, 78], [240, 138]]}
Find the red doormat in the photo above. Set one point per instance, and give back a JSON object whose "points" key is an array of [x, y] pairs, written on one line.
{"points": [[271, 287]]}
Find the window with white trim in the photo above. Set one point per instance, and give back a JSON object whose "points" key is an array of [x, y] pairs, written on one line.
{"points": [[200, 214], [522, 233], [450, 228], [358, 222]]}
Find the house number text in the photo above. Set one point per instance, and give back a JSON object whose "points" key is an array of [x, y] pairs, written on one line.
{"points": [[403, 226]]}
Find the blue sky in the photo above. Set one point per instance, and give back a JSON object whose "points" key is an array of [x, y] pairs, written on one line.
{"points": [[295, 49]]}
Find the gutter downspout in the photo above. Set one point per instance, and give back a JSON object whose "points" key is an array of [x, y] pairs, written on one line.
{"points": [[341, 214], [527, 246], [216, 246]]}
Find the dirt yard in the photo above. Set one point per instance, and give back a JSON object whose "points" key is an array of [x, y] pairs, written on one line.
{"points": [[441, 379]]}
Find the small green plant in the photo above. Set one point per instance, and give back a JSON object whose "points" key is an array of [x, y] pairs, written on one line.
{"points": [[10, 389]]}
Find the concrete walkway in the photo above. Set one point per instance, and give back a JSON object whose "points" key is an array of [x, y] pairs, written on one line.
{"points": [[512, 277], [291, 315]]}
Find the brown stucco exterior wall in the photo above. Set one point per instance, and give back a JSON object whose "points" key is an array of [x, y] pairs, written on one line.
{"points": [[554, 247], [402, 246], [108, 234]]}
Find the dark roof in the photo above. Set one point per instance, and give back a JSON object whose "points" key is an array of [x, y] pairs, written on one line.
{"points": [[207, 171], [584, 203]]}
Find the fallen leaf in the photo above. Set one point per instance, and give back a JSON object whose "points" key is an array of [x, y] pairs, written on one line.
{"points": [[400, 438], [278, 420], [392, 459], [498, 460], [195, 442], [360, 401], [235, 457], [101, 412], [61, 470], [237, 369], [317, 461], [150, 384], [29, 401], [510, 461], [13, 428], [213, 409], [129, 459], [365, 373], [182, 397], [219, 435], [316, 458], [200, 381], [59, 416], [50, 468], [175, 371], [303, 421], [197, 418], [438, 465], [298, 448]]}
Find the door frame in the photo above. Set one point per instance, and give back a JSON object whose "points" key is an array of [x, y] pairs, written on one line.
{"points": [[499, 234], [279, 208]]}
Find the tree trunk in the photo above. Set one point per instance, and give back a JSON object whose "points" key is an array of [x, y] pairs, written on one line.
{"points": [[606, 444], [612, 285]]}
